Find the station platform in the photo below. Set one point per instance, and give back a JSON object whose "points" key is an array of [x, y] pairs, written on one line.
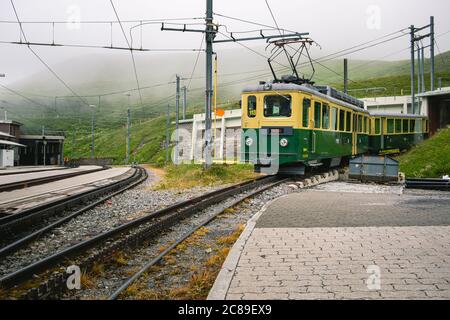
{"points": [[343, 241], [21, 199], [28, 169], [22, 177]]}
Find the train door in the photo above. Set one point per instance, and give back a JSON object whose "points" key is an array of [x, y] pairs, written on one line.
{"points": [[308, 143], [355, 134]]}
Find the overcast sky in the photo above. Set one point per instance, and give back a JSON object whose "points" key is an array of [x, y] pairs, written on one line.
{"points": [[334, 24]]}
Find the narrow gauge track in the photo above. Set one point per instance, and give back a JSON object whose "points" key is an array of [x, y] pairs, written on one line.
{"points": [[42, 180], [25, 222], [186, 235], [430, 184], [131, 233]]}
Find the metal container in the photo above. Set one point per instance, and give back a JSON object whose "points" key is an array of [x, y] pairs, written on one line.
{"points": [[374, 168]]}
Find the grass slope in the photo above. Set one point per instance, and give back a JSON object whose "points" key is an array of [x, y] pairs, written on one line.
{"points": [[147, 143], [189, 176], [431, 159]]}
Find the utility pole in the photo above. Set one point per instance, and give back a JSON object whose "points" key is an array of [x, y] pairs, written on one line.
{"points": [[422, 69], [209, 37], [128, 135], [419, 69], [167, 133], [413, 96], [127, 160], [93, 132], [44, 143], [421, 60], [346, 75], [210, 32], [177, 118], [432, 53], [184, 89]]}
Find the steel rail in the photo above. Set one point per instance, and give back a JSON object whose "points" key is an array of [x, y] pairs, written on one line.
{"points": [[428, 184], [139, 176], [38, 181], [158, 258], [167, 217]]}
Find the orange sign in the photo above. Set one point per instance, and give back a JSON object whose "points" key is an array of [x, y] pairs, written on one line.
{"points": [[220, 112]]}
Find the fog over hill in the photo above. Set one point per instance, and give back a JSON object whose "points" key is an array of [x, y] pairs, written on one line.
{"points": [[100, 74]]}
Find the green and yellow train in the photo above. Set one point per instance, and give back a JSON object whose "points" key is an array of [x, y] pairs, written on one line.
{"points": [[301, 126]]}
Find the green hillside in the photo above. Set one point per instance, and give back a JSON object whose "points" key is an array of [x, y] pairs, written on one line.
{"points": [[430, 159]]}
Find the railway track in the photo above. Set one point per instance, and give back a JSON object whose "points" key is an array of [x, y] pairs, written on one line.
{"points": [[87, 252], [45, 179], [26, 219], [430, 184]]}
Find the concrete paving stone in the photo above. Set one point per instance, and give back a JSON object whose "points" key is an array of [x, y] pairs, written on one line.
{"points": [[287, 290], [325, 209], [414, 287], [234, 296], [403, 294], [302, 283], [438, 294], [266, 296], [311, 296], [443, 286], [326, 247], [316, 289], [246, 289], [369, 295], [435, 281]]}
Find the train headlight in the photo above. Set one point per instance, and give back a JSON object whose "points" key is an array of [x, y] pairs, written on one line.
{"points": [[284, 143], [249, 142]]}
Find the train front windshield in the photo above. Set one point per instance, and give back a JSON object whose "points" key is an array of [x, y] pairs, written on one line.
{"points": [[279, 106]]}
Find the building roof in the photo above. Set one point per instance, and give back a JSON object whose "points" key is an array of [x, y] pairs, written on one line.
{"points": [[396, 115], [11, 122], [4, 134], [10, 143], [40, 137], [438, 92]]}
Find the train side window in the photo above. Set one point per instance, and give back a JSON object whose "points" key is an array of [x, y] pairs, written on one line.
{"points": [[325, 116], [405, 126], [366, 126], [390, 125], [334, 119], [277, 106], [377, 126], [418, 127], [251, 106], [398, 126], [341, 120], [317, 114], [412, 126], [348, 123], [360, 124], [305, 117]]}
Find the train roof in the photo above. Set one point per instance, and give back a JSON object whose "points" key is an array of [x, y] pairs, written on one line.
{"points": [[396, 115], [303, 88]]}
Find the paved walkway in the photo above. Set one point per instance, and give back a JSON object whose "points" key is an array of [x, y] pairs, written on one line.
{"points": [[335, 243]]}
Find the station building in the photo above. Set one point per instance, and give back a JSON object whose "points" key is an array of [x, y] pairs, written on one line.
{"points": [[433, 104], [18, 148]]}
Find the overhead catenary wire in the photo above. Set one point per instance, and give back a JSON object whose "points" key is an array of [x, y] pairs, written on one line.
{"points": [[195, 63], [42, 60], [131, 51]]}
